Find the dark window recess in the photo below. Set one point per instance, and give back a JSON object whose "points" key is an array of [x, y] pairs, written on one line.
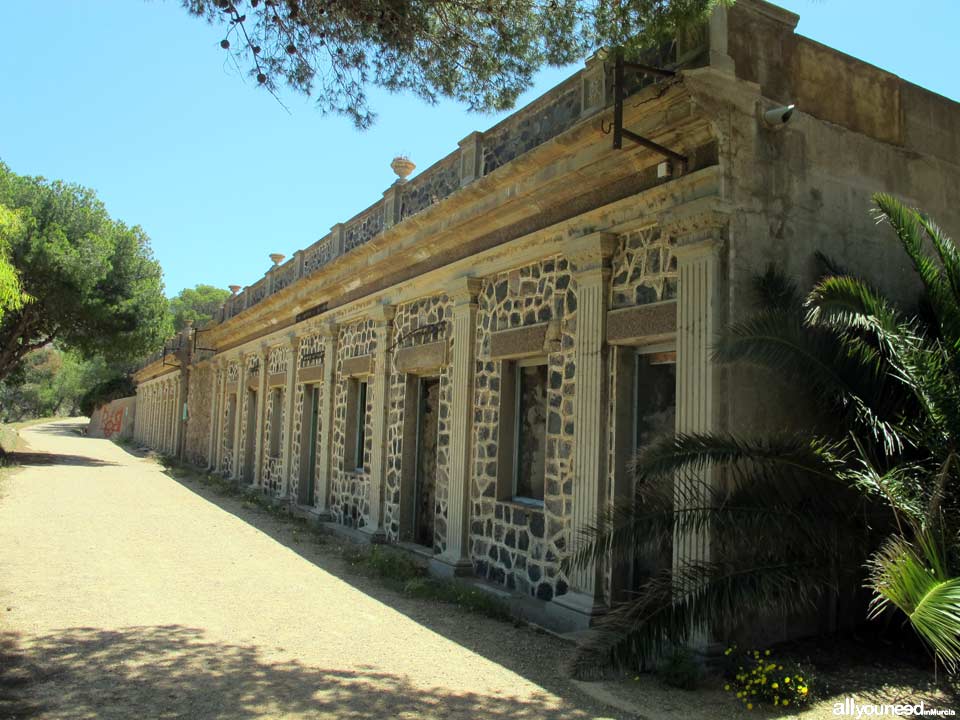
{"points": [[531, 432], [276, 423], [655, 399], [361, 425]]}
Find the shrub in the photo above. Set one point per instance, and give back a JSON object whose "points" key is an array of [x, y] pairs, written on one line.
{"points": [[681, 669], [757, 678]]}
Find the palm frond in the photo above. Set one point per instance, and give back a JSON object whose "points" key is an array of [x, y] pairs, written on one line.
{"points": [[907, 223], [787, 453], [914, 579], [673, 607], [776, 291]]}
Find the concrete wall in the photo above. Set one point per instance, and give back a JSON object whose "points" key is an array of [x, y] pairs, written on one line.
{"points": [[116, 419]]}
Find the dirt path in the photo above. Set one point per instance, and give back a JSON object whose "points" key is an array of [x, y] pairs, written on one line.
{"points": [[132, 595]]}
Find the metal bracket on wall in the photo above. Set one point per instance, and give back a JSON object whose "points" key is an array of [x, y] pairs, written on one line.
{"points": [[166, 352], [620, 132], [195, 348]]}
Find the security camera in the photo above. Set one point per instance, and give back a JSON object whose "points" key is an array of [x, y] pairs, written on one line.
{"points": [[778, 116]]}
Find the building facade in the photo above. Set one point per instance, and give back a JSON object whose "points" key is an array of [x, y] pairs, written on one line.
{"points": [[466, 367]]}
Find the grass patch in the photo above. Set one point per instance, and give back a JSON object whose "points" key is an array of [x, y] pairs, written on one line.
{"points": [[392, 568]]}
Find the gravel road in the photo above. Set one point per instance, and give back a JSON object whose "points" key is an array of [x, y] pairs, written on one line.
{"points": [[125, 593]]}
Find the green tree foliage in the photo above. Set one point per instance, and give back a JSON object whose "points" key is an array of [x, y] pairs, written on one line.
{"points": [[12, 228], [198, 305], [481, 52], [51, 382], [95, 286], [870, 494]]}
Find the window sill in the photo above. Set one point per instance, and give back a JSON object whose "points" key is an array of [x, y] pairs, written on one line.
{"points": [[522, 502]]}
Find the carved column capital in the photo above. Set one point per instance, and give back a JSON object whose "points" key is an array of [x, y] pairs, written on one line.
{"points": [[702, 222], [464, 290], [590, 255], [327, 329], [382, 314]]}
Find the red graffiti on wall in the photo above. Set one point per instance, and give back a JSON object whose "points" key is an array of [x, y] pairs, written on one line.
{"points": [[112, 421]]}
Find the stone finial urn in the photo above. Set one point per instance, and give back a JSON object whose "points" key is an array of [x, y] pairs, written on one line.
{"points": [[234, 288], [277, 258], [402, 166]]}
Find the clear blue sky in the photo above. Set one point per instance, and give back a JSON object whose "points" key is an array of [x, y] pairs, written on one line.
{"points": [[134, 99]]}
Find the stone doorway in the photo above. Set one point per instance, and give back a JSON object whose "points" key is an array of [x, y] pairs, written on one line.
{"points": [[419, 481], [250, 446], [308, 444]]}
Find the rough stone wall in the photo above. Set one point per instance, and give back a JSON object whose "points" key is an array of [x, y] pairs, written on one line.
{"points": [[520, 545], [278, 360], [199, 398], [349, 489], [271, 478], [431, 186], [551, 115], [408, 320], [226, 451], [253, 373], [644, 269]]}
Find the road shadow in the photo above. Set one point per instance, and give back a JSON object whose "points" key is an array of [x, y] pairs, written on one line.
{"points": [[529, 652], [63, 429], [29, 458], [177, 672]]}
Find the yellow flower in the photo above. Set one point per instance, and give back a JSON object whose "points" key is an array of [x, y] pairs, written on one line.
{"points": [[767, 653], [786, 702], [726, 687], [803, 690], [749, 706], [786, 680], [780, 667], [776, 701], [775, 685]]}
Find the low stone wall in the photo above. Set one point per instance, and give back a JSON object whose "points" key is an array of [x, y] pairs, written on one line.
{"points": [[115, 419]]}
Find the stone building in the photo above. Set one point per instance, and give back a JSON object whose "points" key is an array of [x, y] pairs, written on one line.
{"points": [[465, 367]]}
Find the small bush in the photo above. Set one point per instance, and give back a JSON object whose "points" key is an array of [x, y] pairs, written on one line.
{"points": [[681, 669], [757, 678], [380, 562], [458, 593]]}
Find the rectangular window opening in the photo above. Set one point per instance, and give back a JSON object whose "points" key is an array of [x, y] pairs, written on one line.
{"points": [[523, 431], [356, 425], [276, 421], [231, 421]]}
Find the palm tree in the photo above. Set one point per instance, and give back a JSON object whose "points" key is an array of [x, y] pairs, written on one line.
{"points": [[868, 494]]}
